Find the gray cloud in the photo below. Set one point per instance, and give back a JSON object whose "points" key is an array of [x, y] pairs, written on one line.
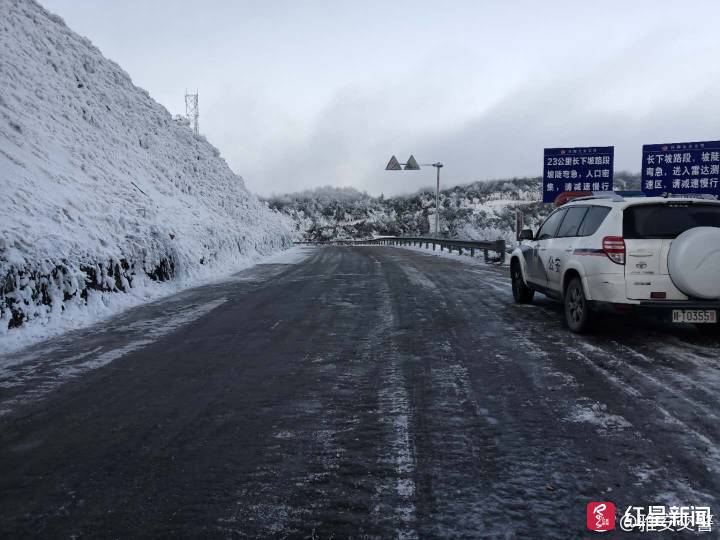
{"points": [[302, 95], [625, 101]]}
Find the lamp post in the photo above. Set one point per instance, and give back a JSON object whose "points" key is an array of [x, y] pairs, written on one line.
{"points": [[413, 165], [438, 166]]}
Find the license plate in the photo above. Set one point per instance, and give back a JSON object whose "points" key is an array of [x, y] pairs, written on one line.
{"points": [[696, 316]]}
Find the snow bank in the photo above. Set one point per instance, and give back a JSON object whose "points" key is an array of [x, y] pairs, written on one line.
{"points": [[101, 191]]}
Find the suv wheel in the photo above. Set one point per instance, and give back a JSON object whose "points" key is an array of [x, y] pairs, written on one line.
{"points": [[577, 309], [521, 292]]}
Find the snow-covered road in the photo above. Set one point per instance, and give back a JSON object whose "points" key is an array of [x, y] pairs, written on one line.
{"points": [[365, 392]]}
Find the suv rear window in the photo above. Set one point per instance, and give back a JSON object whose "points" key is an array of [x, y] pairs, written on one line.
{"points": [[668, 220]]}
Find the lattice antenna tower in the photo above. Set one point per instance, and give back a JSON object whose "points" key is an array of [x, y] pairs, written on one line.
{"points": [[192, 111]]}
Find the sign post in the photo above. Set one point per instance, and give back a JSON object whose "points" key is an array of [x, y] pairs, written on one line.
{"points": [[577, 169], [681, 169], [413, 165], [519, 223]]}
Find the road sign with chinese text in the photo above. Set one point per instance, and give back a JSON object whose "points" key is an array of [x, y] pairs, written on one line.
{"points": [[577, 169], [681, 168]]}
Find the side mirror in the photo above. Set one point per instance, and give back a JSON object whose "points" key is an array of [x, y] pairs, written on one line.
{"points": [[527, 234]]}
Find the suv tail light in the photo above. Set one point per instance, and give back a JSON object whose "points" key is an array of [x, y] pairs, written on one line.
{"points": [[614, 248]]}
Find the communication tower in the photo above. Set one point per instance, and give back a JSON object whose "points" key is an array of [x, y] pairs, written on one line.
{"points": [[192, 111]]}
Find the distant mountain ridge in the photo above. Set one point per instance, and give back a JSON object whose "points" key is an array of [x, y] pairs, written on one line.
{"points": [[481, 210]]}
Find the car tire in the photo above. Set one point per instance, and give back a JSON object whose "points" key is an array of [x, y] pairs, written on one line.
{"points": [[577, 309], [521, 292]]}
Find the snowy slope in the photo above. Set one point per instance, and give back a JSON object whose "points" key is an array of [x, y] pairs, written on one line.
{"points": [[482, 210], [101, 191]]}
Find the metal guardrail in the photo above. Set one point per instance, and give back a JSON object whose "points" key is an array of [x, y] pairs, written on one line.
{"points": [[498, 246]]}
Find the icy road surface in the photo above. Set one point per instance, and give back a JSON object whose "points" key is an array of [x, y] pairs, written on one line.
{"points": [[371, 392]]}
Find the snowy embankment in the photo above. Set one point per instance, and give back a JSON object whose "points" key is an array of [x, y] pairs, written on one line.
{"points": [[476, 211], [106, 200]]}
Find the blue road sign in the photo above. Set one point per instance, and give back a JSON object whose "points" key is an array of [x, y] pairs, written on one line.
{"points": [[681, 168], [577, 169]]}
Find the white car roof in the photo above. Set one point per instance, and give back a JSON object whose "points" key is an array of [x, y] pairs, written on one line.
{"points": [[622, 202]]}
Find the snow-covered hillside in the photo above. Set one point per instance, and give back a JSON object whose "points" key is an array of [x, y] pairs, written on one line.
{"points": [[101, 191], [483, 210]]}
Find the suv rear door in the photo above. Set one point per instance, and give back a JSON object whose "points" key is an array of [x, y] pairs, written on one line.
{"points": [[649, 230]]}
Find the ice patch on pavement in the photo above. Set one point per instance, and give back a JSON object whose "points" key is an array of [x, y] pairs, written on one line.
{"points": [[395, 409], [418, 278], [611, 369], [294, 255], [597, 415], [643, 472], [48, 372]]}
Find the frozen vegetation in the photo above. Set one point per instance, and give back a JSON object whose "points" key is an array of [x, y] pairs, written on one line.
{"points": [[106, 199], [476, 211]]}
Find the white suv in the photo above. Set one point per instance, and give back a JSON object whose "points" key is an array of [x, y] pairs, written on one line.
{"points": [[609, 252]]}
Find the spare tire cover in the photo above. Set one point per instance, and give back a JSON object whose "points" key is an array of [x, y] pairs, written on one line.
{"points": [[694, 262]]}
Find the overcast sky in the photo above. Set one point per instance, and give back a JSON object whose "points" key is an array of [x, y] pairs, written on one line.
{"points": [[299, 94]]}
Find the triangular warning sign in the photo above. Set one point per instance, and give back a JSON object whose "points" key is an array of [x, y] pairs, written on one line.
{"points": [[412, 164], [393, 165]]}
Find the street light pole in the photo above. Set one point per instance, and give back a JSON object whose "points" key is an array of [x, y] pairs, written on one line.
{"points": [[412, 165], [438, 166]]}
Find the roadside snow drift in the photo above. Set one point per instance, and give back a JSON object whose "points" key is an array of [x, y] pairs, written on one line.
{"points": [[101, 191]]}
